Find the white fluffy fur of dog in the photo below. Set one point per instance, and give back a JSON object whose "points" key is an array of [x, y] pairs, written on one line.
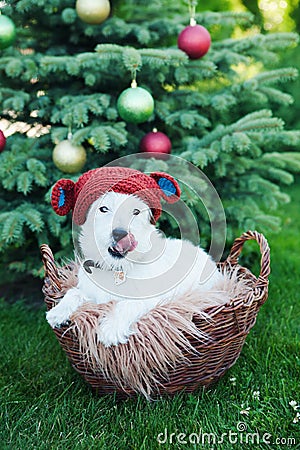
{"points": [[138, 272]]}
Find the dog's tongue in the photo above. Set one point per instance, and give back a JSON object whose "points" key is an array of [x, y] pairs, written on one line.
{"points": [[126, 244]]}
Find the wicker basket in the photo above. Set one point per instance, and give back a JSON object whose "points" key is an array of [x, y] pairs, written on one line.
{"points": [[230, 325]]}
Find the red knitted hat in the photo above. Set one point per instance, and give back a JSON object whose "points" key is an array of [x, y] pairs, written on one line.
{"points": [[67, 195]]}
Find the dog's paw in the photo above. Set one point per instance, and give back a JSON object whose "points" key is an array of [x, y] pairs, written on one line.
{"points": [[57, 317], [61, 313], [112, 331]]}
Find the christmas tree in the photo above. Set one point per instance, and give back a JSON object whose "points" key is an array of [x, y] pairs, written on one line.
{"points": [[61, 79]]}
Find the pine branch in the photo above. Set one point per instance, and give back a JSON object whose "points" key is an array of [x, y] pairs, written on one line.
{"points": [[38, 171], [223, 102], [287, 160], [54, 222], [12, 228], [32, 217], [188, 119], [16, 102], [258, 121], [171, 57], [270, 42], [196, 99], [257, 125], [256, 115], [228, 57], [283, 75], [280, 41], [249, 216], [24, 182], [134, 59], [226, 18], [277, 175], [277, 96], [199, 70], [117, 135], [100, 139], [75, 110]]}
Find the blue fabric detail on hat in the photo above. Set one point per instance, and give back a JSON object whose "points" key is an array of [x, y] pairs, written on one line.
{"points": [[62, 197], [167, 186]]}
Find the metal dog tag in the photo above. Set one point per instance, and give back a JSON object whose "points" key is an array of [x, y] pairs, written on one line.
{"points": [[119, 277]]}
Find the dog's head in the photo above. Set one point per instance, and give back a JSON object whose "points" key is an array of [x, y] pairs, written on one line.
{"points": [[117, 231], [116, 209]]}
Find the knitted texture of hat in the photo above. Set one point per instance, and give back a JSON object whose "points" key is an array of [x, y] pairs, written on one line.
{"points": [[63, 196], [94, 183]]}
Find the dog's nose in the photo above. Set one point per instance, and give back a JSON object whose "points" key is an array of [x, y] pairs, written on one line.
{"points": [[118, 234]]}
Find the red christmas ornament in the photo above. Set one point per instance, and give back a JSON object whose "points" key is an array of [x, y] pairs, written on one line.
{"points": [[2, 141], [195, 41], [156, 143]]}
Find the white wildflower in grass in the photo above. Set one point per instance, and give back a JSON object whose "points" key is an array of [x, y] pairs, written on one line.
{"points": [[256, 395], [297, 418], [244, 411], [233, 381], [294, 405]]}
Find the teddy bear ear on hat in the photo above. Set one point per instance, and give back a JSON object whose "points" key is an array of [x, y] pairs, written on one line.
{"points": [[170, 190], [63, 196]]}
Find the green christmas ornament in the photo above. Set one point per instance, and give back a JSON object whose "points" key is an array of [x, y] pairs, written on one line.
{"points": [[135, 104], [7, 32], [69, 158], [93, 12]]}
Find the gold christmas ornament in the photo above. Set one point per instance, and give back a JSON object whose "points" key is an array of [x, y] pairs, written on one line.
{"points": [[69, 158], [93, 12]]}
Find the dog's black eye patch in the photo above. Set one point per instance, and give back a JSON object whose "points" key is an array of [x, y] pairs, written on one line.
{"points": [[136, 212], [103, 209]]}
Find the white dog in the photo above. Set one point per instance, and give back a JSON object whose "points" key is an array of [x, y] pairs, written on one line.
{"points": [[129, 261]]}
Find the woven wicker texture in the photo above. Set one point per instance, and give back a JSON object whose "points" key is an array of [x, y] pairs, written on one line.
{"points": [[229, 328]]}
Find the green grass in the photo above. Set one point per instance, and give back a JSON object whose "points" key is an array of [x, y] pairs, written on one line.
{"points": [[45, 405]]}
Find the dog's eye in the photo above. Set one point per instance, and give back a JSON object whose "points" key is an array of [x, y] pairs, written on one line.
{"points": [[136, 212], [103, 209]]}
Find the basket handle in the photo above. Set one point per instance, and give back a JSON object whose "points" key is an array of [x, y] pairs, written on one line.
{"points": [[264, 249], [51, 270]]}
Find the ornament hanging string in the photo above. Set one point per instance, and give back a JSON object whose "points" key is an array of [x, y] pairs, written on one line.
{"points": [[133, 62], [192, 10], [134, 69], [70, 134], [133, 76]]}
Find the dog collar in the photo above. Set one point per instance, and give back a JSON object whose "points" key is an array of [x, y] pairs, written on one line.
{"points": [[119, 275]]}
